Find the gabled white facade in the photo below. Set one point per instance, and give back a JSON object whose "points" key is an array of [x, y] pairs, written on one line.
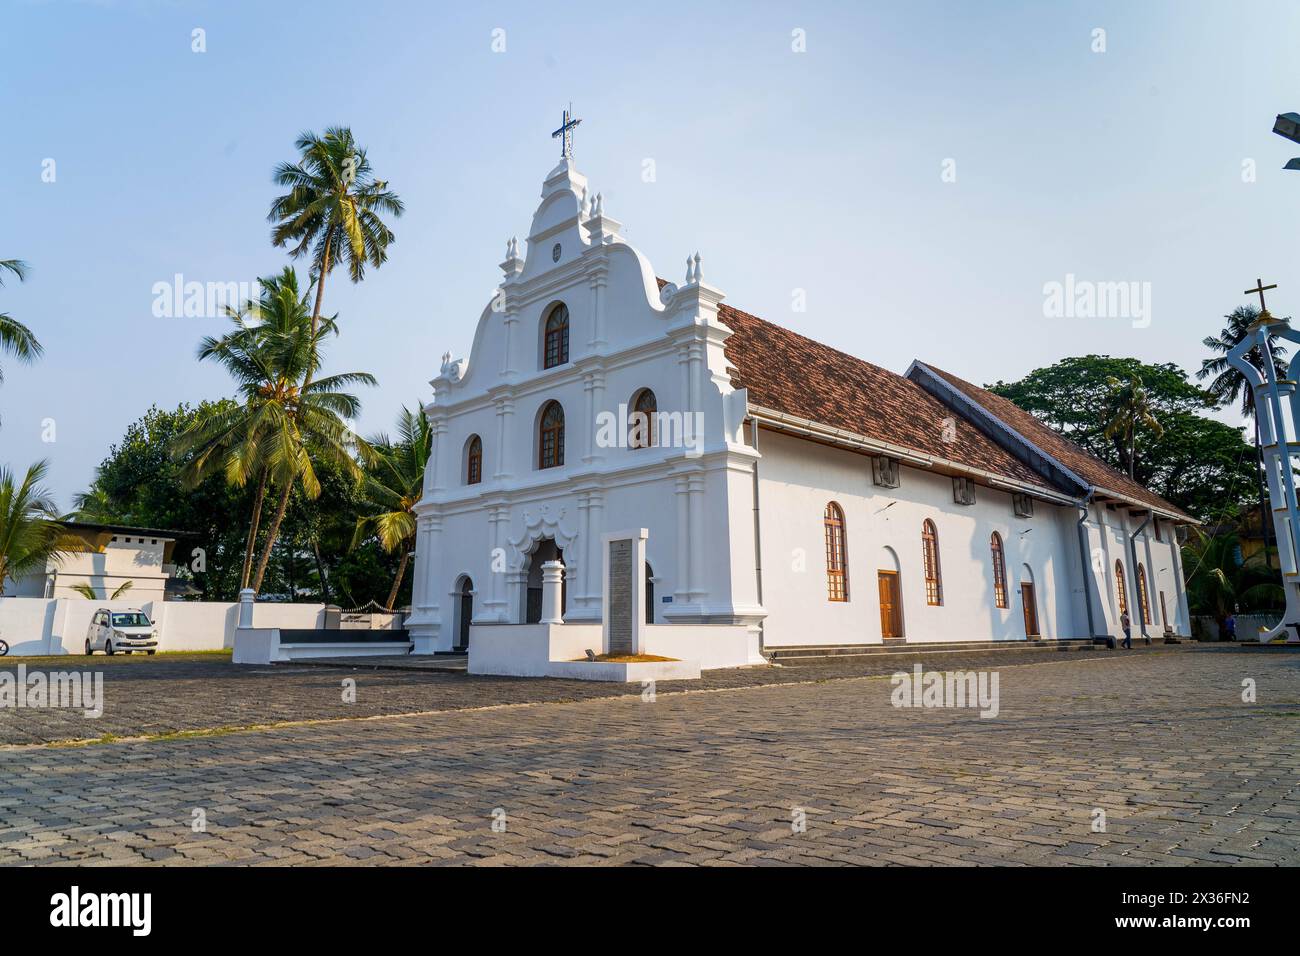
{"points": [[733, 505], [692, 492]]}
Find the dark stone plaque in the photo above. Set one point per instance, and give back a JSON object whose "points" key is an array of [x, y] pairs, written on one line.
{"points": [[619, 596]]}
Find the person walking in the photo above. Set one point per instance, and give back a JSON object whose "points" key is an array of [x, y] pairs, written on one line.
{"points": [[1127, 625], [1230, 625]]}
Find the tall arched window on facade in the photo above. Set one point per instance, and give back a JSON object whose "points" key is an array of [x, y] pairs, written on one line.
{"points": [[1144, 602], [837, 562], [555, 342], [999, 571], [474, 461], [1121, 590], [930, 554], [641, 420], [550, 437]]}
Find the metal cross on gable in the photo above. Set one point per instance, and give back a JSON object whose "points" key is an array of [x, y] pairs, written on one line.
{"points": [[1259, 290], [565, 133]]}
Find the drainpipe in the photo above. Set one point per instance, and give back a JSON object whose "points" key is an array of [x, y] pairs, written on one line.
{"points": [[1086, 565], [758, 537], [1133, 559]]}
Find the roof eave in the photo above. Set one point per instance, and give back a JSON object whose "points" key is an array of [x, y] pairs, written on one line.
{"points": [[862, 444]]}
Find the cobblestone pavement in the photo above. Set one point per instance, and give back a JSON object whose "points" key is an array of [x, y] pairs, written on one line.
{"points": [[168, 694], [1161, 742]]}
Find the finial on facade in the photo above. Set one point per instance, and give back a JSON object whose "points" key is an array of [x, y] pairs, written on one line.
{"points": [[600, 204], [697, 267], [690, 270]]}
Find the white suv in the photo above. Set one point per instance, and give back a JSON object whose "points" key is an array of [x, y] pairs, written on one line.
{"points": [[127, 631]]}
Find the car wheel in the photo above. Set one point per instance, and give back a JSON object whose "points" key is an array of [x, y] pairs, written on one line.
{"points": [[108, 648], [89, 650], [150, 653]]}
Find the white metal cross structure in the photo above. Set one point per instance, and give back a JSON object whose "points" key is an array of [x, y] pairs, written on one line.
{"points": [[1279, 450], [565, 133]]}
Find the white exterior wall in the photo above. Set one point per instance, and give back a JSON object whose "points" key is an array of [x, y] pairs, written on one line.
{"points": [[1108, 541], [137, 559], [883, 532], [33, 626]]}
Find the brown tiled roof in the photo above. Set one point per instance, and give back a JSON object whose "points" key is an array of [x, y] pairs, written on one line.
{"points": [[792, 374], [1088, 467]]}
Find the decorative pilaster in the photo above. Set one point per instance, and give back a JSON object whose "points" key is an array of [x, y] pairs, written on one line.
{"points": [[496, 608], [598, 278], [593, 388], [505, 408], [681, 489], [695, 491]]}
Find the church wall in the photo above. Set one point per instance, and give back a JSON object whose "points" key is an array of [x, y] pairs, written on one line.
{"points": [[883, 529], [1109, 532]]}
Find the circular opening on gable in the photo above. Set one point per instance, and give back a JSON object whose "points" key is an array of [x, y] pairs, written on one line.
{"points": [[555, 252]]}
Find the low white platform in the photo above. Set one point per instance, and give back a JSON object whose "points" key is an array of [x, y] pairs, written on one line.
{"points": [[262, 645], [558, 650], [636, 671]]}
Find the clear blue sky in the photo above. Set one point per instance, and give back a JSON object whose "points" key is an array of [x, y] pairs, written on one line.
{"points": [[817, 171]]}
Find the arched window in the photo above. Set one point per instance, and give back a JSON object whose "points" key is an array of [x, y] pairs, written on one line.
{"points": [[837, 563], [1120, 589], [1144, 603], [474, 461], [550, 438], [555, 344], [930, 554], [999, 571], [641, 421]]}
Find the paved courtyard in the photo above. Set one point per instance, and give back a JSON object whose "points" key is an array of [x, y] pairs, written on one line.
{"points": [[805, 764]]}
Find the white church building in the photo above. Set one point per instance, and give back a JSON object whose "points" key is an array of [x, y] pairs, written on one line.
{"points": [[792, 496]]}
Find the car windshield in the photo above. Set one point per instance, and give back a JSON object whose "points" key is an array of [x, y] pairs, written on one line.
{"points": [[130, 619]]}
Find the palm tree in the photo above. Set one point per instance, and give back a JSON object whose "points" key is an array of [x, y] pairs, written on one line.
{"points": [[284, 419], [88, 592], [1228, 384], [332, 209], [16, 338], [30, 533], [393, 483], [1220, 582], [1127, 408], [229, 440]]}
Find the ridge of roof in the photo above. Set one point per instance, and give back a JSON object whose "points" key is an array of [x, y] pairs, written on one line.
{"points": [[1098, 475], [776, 365]]}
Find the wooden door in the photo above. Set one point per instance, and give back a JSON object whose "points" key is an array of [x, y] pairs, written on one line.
{"points": [[891, 609], [1031, 610]]}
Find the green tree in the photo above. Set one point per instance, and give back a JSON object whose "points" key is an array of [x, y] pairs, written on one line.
{"points": [[393, 483], [284, 420], [333, 209], [1198, 463], [1220, 582], [1227, 384], [30, 533], [140, 482], [1128, 408], [16, 338]]}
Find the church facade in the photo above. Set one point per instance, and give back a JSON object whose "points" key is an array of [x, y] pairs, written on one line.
{"points": [[788, 489]]}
